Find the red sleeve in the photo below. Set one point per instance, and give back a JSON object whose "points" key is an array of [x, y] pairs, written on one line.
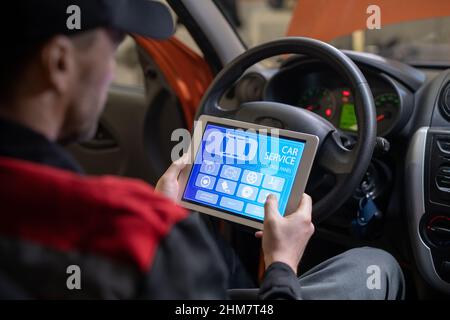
{"points": [[119, 218]]}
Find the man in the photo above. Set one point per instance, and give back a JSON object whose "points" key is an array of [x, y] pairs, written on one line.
{"points": [[65, 235]]}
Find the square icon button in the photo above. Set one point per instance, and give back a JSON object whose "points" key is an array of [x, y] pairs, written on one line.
{"points": [[226, 186], [247, 192], [252, 177], [254, 210], [206, 197], [205, 181], [273, 183], [232, 204], [210, 167], [263, 194], [231, 173]]}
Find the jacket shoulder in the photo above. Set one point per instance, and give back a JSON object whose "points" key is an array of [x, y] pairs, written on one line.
{"points": [[119, 218]]}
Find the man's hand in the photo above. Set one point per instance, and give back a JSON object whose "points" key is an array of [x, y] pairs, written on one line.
{"points": [[168, 183], [284, 238]]}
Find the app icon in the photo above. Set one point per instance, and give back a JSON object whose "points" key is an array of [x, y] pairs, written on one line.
{"points": [[273, 183], [210, 167], [226, 186], [255, 210], [232, 204], [263, 194], [206, 197], [247, 192], [204, 181], [252, 177], [229, 172], [231, 145]]}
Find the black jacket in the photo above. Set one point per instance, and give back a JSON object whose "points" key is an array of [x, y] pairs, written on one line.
{"points": [[184, 263]]}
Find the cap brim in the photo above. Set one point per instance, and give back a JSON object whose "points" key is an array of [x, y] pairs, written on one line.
{"points": [[147, 18]]}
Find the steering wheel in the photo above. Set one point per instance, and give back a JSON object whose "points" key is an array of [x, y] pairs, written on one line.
{"points": [[348, 166]]}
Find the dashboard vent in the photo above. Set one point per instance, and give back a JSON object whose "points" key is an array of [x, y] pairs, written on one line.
{"points": [[444, 104]]}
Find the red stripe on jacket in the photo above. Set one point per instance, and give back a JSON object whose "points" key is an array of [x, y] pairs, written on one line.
{"points": [[119, 218]]}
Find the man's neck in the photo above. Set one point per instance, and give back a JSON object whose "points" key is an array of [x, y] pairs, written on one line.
{"points": [[38, 117]]}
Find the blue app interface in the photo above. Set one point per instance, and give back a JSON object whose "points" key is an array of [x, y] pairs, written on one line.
{"points": [[236, 169]]}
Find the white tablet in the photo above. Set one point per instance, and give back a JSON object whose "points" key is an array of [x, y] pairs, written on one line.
{"points": [[235, 165]]}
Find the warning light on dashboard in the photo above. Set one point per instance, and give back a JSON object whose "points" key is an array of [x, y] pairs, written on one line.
{"points": [[328, 112], [346, 93]]}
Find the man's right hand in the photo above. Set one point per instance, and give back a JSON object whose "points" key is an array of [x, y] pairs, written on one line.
{"points": [[284, 238]]}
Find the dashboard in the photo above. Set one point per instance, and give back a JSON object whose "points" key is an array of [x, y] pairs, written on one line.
{"points": [[317, 88], [410, 183], [412, 178]]}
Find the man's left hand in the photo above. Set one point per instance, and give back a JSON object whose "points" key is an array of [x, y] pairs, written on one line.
{"points": [[168, 184]]}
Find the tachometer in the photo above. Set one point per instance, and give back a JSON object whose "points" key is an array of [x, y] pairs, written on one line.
{"points": [[387, 105], [320, 101]]}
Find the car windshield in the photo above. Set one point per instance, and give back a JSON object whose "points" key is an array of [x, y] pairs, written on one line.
{"points": [[416, 32]]}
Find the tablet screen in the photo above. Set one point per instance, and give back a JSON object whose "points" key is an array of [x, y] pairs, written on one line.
{"points": [[236, 169]]}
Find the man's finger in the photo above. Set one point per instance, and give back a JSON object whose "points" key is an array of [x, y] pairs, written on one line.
{"points": [[305, 206], [306, 203], [271, 208], [183, 160], [259, 234], [176, 167]]}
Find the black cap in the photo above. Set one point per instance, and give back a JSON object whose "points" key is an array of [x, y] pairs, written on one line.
{"points": [[34, 20]]}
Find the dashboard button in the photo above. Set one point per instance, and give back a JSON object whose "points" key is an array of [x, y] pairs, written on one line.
{"points": [[438, 231]]}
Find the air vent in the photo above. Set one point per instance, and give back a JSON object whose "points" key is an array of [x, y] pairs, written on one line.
{"points": [[444, 104]]}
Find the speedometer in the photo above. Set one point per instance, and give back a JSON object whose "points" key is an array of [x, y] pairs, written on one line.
{"points": [[388, 106], [318, 100]]}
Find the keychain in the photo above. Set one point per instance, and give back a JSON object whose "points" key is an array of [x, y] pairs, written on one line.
{"points": [[368, 212]]}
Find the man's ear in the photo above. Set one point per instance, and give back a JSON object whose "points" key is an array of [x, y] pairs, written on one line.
{"points": [[58, 60]]}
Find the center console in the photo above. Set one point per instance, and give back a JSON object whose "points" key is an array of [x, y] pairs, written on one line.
{"points": [[428, 203]]}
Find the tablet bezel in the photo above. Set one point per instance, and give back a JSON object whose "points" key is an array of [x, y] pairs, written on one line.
{"points": [[300, 180]]}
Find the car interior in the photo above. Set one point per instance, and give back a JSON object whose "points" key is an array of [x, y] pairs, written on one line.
{"points": [[383, 121]]}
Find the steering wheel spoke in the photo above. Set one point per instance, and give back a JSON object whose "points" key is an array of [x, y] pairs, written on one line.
{"points": [[334, 157]]}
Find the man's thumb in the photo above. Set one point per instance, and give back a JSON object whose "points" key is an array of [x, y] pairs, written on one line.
{"points": [[175, 168], [271, 207]]}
